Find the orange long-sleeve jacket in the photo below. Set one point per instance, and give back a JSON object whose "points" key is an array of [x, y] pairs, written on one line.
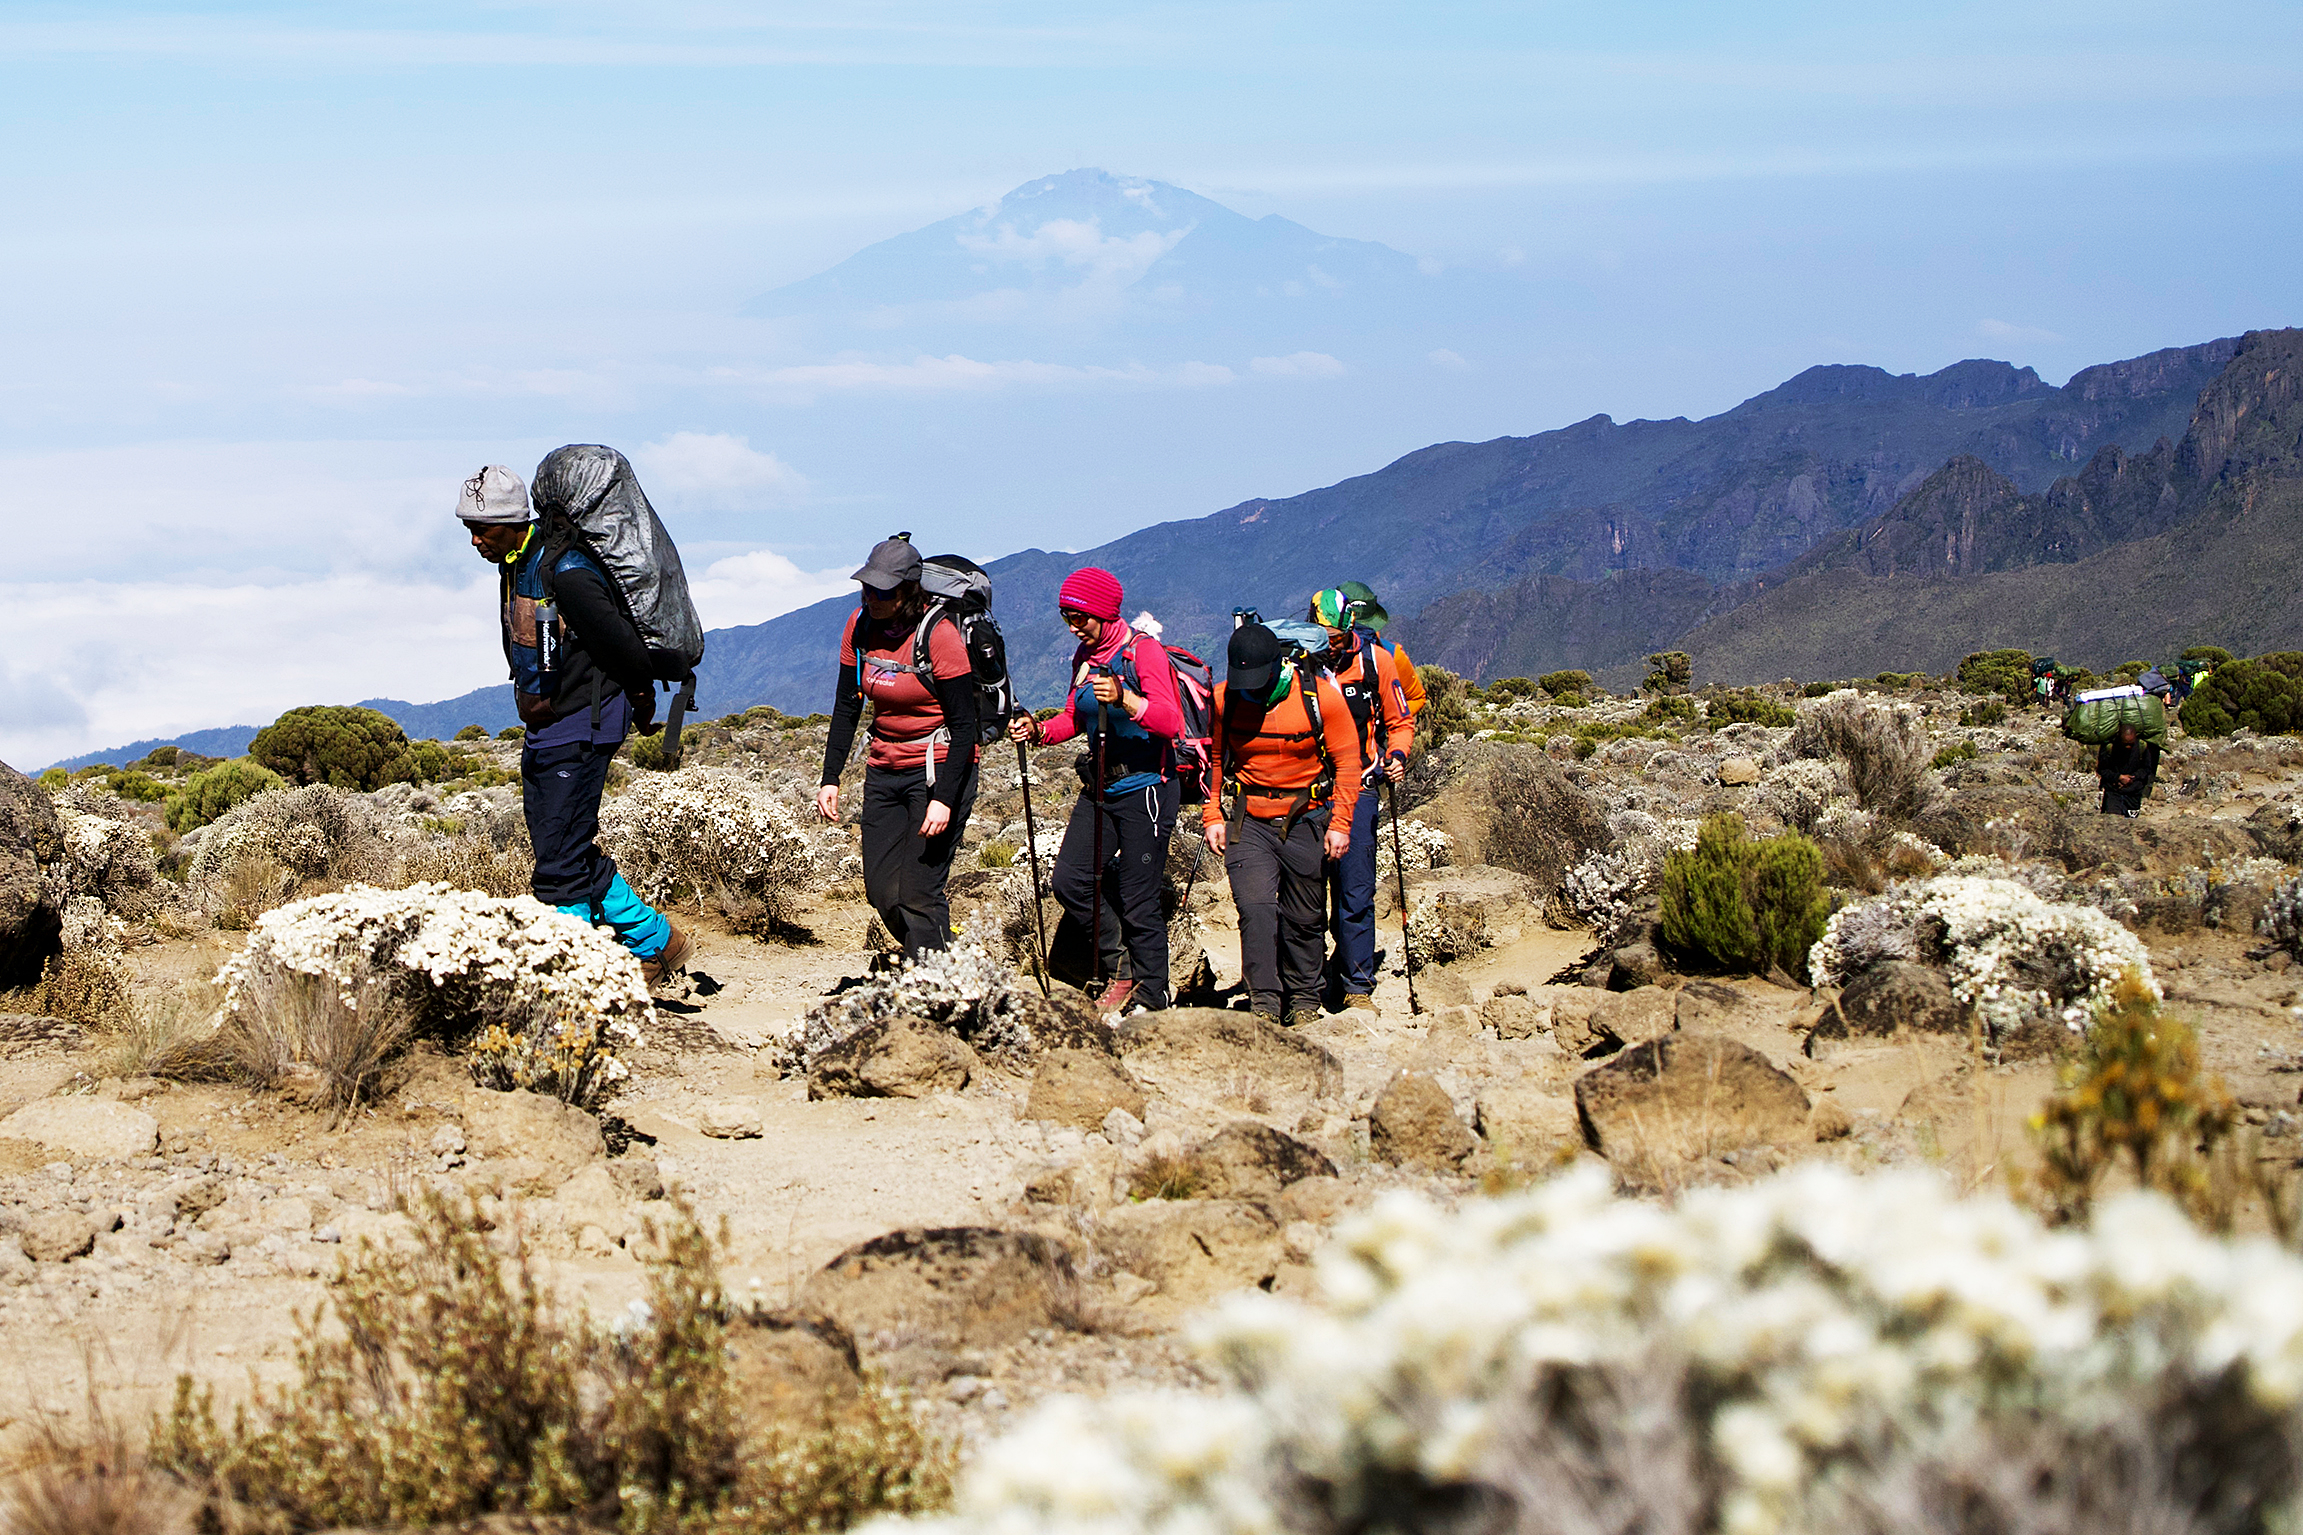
{"points": [[1390, 723], [1409, 682], [1275, 751]]}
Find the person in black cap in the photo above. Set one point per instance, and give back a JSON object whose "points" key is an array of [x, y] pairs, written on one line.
{"points": [[920, 773], [1287, 756]]}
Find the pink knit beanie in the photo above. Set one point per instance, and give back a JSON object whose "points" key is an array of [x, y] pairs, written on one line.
{"points": [[1091, 591]]}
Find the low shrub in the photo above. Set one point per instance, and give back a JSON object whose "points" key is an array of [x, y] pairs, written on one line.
{"points": [[2004, 672], [1957, 751], [2264, 695], [2014, 957], [1748, 706], [1896, 682], [441, 1382], [1444, 930], [647, 753], [1885, 751], [306, 835], [469, 860], [1447, 705], [348, 747], [1669, 709], [282, 1022], [1565, 684], [533, 997], [137, 785], [82, 985], [512, 733], [2134, 1095], [997, 854], [1819, 1351], [2213, 655], [1504, 689], [472, 733], [213, 792], [1167, 1175], [1742, 905], [707, 833], [1992, 711], [1819, 689]]}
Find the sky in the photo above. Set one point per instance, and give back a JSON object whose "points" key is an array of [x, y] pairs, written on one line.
{"points": [[275, 278]]}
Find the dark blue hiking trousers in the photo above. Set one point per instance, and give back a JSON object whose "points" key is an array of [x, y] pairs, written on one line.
{"points": [[560, 788], [1351, 901]]}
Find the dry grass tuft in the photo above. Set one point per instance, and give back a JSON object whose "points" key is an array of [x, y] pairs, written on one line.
{"points": [[1167, 1175]]}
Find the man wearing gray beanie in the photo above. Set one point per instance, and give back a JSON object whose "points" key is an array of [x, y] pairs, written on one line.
{"points": [[581, 678]]}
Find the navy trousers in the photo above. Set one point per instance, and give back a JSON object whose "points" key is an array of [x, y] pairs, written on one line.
{"points": [[560, 789], [1351, 901]]}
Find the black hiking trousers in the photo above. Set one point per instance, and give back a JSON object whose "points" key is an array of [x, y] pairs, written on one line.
{"points": [[1280, 889], [1137, 825], [904, 872], [560, 788]]}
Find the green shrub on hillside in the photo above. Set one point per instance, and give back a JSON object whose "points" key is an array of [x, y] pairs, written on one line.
{"points": [[350, 748], [647, 752], [1957, 751], [1992, 711], [2005, 672], [1748, 706], [1561, 685], [1447, 709], [1669, 671], [2264, 695], [1669, 709], [2213, 655], [1505, 689], [207, 794], [512, 733], [1741, 905], [472, 733], [137, 785]]}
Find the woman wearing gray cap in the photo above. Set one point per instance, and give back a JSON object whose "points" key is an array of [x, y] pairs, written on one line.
{"points": [[920, 773]]}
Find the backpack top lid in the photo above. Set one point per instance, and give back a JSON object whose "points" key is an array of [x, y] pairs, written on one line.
{"points": [[595, 490], [1298, 635], [956, 579]]}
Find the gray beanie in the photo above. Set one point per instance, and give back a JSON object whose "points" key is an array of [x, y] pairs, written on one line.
{"points": [[495, 494]]}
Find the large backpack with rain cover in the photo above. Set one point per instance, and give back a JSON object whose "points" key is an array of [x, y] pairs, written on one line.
{"points": [[2097, 716], [1193, 748], [587, 497], [957, 589]]}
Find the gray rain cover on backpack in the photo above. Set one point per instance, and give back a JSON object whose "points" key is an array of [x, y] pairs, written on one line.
{"points": [[595, 489]]}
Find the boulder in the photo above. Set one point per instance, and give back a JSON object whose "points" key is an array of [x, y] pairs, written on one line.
{"points": [[791, 1364], [56, 1236], [1636, 964], [32, 883], [1414, 1124], [1525, 1121], [1687, 1096], [1082, 1088], [1516, 1015], [1706, 1007], [1065, 1021], [952, 1285], [1896, 994], [1734, 772], [85, 1129], [593, 1197], [731, 1119], [541, 1141], [1572, 1011], [1635, 1017], [1195, 1249], [894, 1058], [1250, 1160], [1213, 1057]]}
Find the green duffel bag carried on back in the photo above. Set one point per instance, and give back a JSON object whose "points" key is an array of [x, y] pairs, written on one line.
{"points": [[2095, 718]]}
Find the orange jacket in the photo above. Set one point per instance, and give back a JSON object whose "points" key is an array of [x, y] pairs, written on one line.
{"points": [[1390, 724], [1409, 682], [1279, 753]]}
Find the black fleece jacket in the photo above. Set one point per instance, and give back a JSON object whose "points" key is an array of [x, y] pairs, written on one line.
{"points": [[602, 646]]}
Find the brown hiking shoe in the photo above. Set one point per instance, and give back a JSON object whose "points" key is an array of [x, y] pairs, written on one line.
{"points": [[1300, 1014], [1360, 1000], [671, 959], [1115, 997]]}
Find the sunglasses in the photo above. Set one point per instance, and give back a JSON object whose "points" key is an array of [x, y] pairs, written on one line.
{"points": [[1074, 616]]}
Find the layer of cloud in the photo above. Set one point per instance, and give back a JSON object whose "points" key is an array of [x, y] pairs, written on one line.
{"points": [[753, 588], [956, 374], [1299, 365], [2001, 330], [717, 470]]}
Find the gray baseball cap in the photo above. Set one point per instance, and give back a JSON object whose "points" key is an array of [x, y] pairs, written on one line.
{"points": [[894, 561], [495, 494]]}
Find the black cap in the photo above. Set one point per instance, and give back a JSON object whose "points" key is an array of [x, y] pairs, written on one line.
{"points": [[894, 561], [1254, 658]]}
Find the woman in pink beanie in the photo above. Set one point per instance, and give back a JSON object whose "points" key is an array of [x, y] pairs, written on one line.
{"points": [[1125, 677]]}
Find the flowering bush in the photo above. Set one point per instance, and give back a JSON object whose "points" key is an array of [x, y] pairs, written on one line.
{"points": [[2013, 957], [311, 833], [1783, 1356], [1885, 749], [706, 832], [1426, 847], [1444, 930], [964, 988], [1606, 890], [108, 853], [538, 999], [1797, 792], [2283, 916]]}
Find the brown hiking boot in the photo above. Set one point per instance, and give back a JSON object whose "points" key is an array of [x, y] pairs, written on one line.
{"points": [[671, 959], [1301, 1014], [1115, 998], [1360, 1000]]}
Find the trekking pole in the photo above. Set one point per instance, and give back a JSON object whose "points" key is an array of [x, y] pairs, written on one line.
{"points": [[1096, 789], [1399, 867], [1032, 849]]}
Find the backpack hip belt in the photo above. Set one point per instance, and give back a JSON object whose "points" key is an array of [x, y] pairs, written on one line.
{"points": [[1310, 797]]}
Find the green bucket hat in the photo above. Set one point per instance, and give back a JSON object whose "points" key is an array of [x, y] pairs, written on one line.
{"points": [[1364, 608]]}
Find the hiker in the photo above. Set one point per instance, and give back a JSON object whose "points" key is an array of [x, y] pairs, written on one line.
{"points": [[1286, 754], [920, 771], [581, 679], [1369, 617], [1368, 678], [1124, 676], [2126, 767]]}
